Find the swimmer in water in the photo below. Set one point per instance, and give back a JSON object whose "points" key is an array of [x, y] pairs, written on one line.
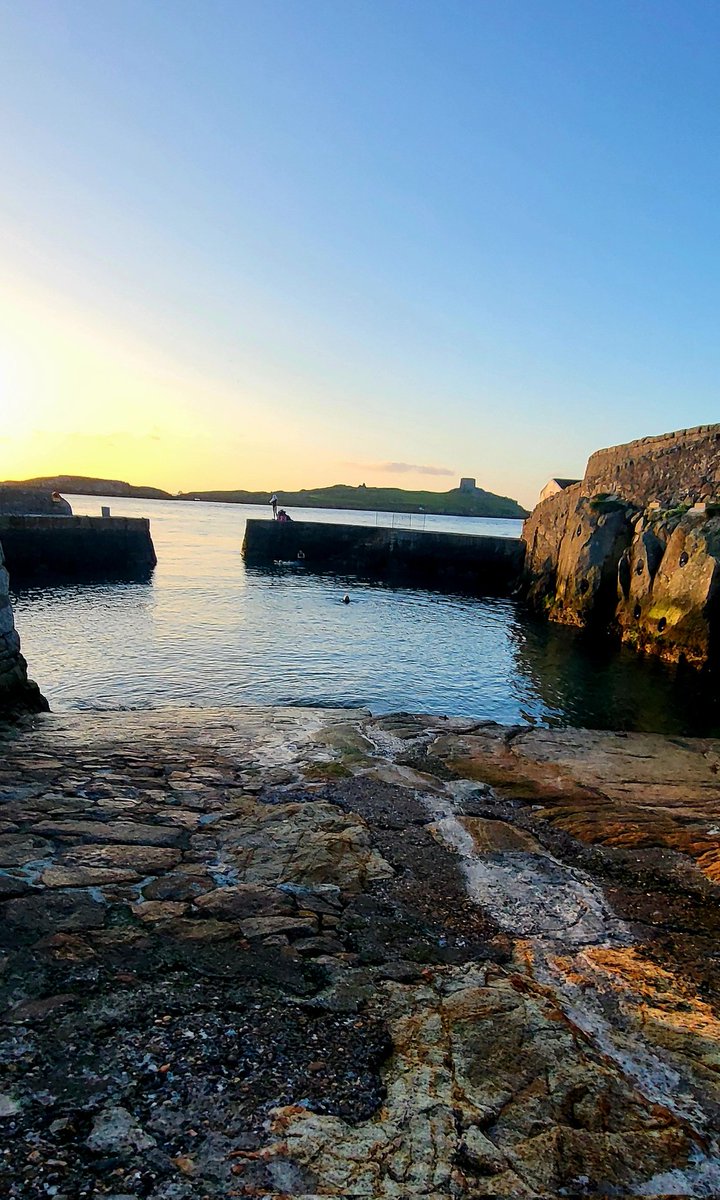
{"points": [[346, 599]]}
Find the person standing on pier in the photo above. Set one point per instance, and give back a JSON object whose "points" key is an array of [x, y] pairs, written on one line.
{"points": [[274, 502]]}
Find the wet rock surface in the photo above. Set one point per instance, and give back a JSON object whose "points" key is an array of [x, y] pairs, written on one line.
{"points": [[304, 953]]}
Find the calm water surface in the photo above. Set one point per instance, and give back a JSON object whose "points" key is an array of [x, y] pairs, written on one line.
{"points": [[208, 631]]}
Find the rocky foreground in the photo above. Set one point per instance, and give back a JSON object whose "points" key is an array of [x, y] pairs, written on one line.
{"points": [[304, 953]]}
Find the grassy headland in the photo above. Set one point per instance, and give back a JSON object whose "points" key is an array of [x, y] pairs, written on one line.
{"points": [[86, 485], [456, 503]]}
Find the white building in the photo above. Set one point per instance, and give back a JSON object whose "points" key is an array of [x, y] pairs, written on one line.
{"points": [[553, 486]]}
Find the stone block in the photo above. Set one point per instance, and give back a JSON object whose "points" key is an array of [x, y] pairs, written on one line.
{"points": [[143, 860], [29, 918], [261, 927], [244, 901]]}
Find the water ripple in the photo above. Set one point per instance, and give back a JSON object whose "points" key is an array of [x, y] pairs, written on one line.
{"points": [[205, 631]]}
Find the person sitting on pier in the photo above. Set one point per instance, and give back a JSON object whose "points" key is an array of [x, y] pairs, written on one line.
{"points": [[283, 516]]}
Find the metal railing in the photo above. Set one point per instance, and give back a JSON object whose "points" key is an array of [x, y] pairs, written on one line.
{"points": [[400, 520]]}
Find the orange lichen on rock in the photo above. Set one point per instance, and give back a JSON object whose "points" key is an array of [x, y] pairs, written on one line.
{"points": [[657, 1001], [628, 791]]}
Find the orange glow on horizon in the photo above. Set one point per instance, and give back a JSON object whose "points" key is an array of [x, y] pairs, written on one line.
{"points": [[82, 395]]}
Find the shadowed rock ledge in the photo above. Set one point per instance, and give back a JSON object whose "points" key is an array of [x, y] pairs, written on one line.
{"points": [[305, 953], [17, 692]]}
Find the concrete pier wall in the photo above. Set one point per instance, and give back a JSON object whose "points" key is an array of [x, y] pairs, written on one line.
{"points": [[41, 548], [483, 565]]}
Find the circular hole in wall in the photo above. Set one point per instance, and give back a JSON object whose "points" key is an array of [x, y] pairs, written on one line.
{"points": [[583, 586], [636, 611], [661, 624], [684, 558]]}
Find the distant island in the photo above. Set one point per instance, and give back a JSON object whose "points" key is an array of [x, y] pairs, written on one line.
{"points": [[467, 500], [464, 501], [83, 485]]}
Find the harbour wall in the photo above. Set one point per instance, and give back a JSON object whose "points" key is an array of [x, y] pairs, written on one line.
{"points": [[445, 561], [47, 548], [675, 468], [16, 690]]}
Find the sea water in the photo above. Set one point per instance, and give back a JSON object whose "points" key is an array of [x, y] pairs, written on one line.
{"points": [[207, 630]]}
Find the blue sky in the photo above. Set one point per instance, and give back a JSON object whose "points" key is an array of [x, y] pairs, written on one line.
{"points": [[281, 244]]}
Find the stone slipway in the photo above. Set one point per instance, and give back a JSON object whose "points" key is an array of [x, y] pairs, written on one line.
{"points": [[311, 953]]}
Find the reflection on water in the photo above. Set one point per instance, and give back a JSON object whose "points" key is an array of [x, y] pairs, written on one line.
{"points": [[601, 686], [207, 631]]}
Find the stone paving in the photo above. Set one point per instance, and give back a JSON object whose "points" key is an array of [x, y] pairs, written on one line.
{"points": [[304, 953]]}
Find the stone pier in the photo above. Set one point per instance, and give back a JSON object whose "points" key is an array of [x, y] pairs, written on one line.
{"points": [[481, 565], [41, 549]]}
